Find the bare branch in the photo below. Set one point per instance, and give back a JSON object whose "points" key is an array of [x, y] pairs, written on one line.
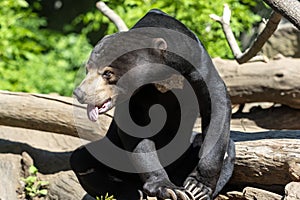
{"points": [[290, 9], [225, 22], [261, 39], [112, 16], [249, 54]]}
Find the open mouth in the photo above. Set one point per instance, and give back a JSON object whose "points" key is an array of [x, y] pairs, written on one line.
{"points": [[93, 111]]}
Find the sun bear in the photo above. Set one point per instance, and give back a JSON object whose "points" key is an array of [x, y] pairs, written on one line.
{"points": [[159, 78]]}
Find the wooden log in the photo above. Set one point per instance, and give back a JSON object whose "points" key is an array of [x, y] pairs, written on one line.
{"points": [[10, 170], [251, 193], [276, 81], [292, 191], [266, 162], [65, 185], [259, 161], [49, 113], [55, 114]]}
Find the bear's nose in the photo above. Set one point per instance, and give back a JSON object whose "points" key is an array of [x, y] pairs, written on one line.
{"points": [[79, 94]]}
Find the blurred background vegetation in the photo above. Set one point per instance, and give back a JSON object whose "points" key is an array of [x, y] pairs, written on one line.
{"points": [[43, 43]]}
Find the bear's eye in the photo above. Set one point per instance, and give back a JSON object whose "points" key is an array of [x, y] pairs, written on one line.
{"points": [[107, 74]]}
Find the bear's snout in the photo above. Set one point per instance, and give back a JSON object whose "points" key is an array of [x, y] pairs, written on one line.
{"points": [[79, 94]]}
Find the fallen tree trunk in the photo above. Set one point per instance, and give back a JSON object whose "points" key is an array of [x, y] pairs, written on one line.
{"points": [[259, 161], [276, 81], [57, 114], [49, 113], [267, 163]]}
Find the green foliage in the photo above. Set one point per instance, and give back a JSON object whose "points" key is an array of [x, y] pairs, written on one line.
{"points": [[33, 186], [194, 14], [34, 59], [107, 197]]}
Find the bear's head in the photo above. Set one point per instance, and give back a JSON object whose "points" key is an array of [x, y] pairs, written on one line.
{"points": [[112, 58]]}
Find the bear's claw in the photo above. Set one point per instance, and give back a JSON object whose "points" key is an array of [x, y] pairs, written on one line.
{"points": [[191, 191], [197, 190]]}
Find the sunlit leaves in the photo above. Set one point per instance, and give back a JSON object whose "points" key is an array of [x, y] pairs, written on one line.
{"points": [[34, 59], [195, 14]]}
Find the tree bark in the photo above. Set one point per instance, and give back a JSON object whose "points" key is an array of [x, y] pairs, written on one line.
{"points": [[290, 9], [276, 81], [292, 191], [267, 162], [251, 193], [49, 113], [259, 161], [10, 169], [258, 119]]}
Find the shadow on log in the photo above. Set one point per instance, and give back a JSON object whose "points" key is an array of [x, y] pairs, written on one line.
{"points": [[47, 162], [273, 118]]}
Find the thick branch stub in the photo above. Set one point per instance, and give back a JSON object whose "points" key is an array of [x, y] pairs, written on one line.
{"points": [[261, 39], [290, 9], [249, 54], [112, 16]]}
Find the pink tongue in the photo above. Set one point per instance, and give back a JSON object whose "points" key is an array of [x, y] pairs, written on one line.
{"points": [[92, 112]]}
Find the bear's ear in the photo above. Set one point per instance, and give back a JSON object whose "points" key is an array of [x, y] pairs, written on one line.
{"points": [[159, 43]]}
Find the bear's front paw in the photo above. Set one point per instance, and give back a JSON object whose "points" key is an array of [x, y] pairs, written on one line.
{"points": [[164, 189], [198, 190]]}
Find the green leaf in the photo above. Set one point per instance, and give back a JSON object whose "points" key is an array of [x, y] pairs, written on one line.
{"points": [[22, 3], [44, 183], [32, 170], [43, 192], [30, 180]]}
